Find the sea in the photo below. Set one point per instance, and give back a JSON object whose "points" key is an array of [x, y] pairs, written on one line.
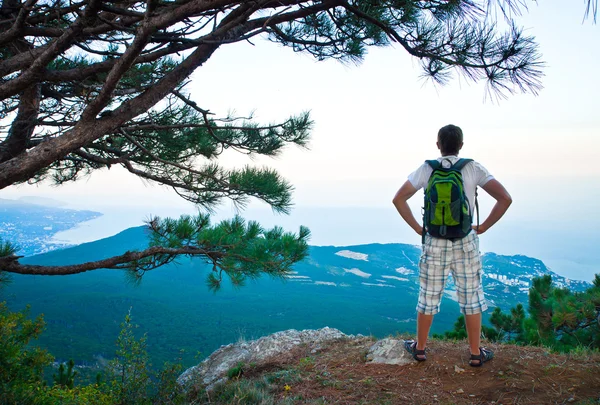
{"points": [[565, 247]]}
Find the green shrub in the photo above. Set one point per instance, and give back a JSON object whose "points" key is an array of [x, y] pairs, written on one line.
{"points": [[306, 363], [236, 371], [243, 392], [21, 366], [559, 319], [130, 374], [65, 377], [88, 395]]}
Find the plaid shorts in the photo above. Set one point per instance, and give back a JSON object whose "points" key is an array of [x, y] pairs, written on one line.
{"points": [[462, 258]]}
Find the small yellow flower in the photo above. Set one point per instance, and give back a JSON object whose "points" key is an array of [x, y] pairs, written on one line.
{"points": [[287, 387]]}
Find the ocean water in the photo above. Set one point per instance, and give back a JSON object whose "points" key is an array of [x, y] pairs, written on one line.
{"points": [[563, 246]]}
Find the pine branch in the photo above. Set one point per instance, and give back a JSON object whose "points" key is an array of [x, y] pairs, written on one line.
{"points": [[591, 9], [234, 248], [19, 24], [10, 264], [55, 48]]}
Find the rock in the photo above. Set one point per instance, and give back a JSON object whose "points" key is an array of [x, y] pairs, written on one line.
{"points": [[458, 369], [316, 349], [389, 351], [460, 391], [214, 369]]}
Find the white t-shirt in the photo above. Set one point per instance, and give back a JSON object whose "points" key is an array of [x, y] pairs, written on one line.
{"points": [[473, 174]]}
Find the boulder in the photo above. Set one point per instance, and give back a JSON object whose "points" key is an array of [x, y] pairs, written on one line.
{"points": [[214, 369], [389, 351]]}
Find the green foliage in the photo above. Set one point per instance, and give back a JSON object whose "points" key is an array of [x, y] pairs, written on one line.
{"points": [[21, 366], [235, 248], [131, 379], [65, 378], [509, 326], [460, 331], [244, 392], [560, 319], [236, 371], [165, 388], [306, 363], [89, 395], [7, 248], [128, 371]]}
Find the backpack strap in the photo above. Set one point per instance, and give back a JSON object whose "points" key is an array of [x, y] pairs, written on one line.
{"points": [[477, 209], [434, 164], [459, 166], [461, 163]]}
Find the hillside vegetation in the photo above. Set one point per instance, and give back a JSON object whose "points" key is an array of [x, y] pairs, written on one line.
{"points": [[338, 373]]}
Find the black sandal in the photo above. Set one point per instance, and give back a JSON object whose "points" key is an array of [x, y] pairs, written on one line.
{"points": [[483, 356], [411, 347]]}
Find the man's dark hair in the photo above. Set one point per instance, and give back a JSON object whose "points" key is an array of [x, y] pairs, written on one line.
{"points": [[450, 138]]}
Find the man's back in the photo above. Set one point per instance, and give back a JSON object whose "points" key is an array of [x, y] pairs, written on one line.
{"points": [[474, 175]]}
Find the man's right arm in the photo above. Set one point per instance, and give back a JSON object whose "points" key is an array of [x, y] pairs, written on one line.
{"points": [[400, 202], [503, 201]]}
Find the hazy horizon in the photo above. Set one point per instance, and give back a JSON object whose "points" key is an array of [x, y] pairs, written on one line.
{"points": [[570, 256]]}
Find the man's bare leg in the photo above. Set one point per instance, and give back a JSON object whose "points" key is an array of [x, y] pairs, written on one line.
{"points": [[423, 325], [473, 323]]}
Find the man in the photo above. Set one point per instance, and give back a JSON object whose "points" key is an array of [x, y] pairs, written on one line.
{"points": [[458, 255]]}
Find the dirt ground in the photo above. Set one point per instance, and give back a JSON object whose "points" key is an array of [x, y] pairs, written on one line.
{"points": [[338, 374]]}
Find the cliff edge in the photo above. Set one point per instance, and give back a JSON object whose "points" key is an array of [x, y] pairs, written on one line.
{"points": [[343, 369]]}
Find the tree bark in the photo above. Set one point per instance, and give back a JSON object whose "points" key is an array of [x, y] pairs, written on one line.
{"points": [[10, 263]]}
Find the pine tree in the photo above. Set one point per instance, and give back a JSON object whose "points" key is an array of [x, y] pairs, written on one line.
{"points": [[129, 374], [66, 376], [460, 331], [509, 326], [131, 379], [91, 84], [558, 318]]}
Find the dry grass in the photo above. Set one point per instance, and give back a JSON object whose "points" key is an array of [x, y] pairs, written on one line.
{"points": [[338, 374]]}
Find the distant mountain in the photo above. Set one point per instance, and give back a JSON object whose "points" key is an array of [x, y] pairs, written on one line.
{"points": [[47, 202], [367, 289], [32, 226]]}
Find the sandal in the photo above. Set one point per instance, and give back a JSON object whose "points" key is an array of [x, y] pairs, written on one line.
{"points": [[484, 355], [411, 347]]}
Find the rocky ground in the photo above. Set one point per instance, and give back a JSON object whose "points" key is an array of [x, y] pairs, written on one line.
{"points": [[338, 373]]}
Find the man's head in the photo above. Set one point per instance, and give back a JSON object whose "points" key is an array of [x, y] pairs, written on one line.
{"points": [[450, 140]]}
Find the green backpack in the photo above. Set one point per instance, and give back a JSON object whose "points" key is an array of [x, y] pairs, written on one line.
{"points": [[446, 211]]}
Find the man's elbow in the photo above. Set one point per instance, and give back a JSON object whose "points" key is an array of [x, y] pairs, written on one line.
{"points": [[398, 201], [507, 200]]}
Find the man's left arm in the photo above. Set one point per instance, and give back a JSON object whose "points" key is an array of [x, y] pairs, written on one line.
{"points": [[401, 203], [503, 201]]}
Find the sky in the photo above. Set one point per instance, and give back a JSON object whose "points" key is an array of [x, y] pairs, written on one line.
{"points": [[377, 121]]}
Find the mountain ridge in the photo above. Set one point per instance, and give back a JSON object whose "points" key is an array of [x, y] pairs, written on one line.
{"points": [[334, 287]]}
